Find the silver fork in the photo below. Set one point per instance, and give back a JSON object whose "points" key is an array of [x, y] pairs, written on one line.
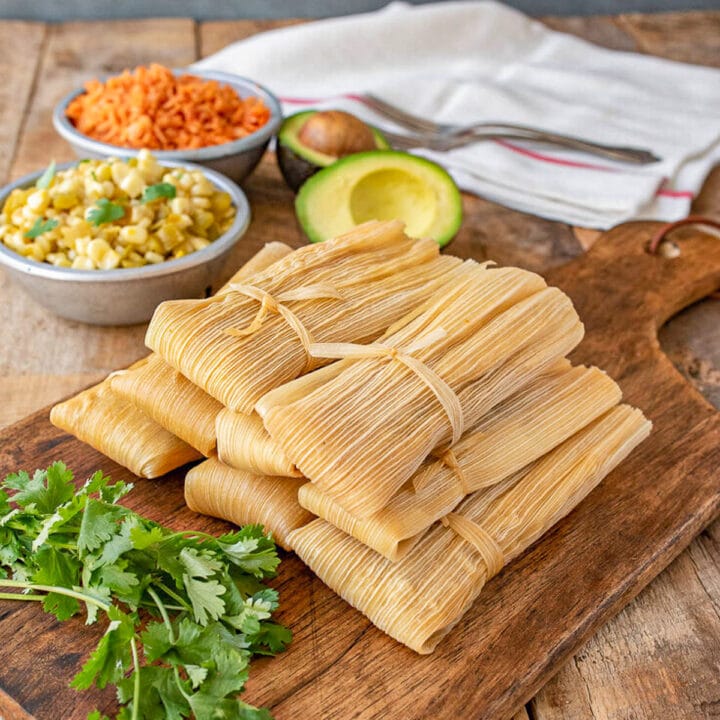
{"points": [[442, 136]]}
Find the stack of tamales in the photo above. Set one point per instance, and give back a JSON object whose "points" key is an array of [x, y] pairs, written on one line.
{"points": [[377, 407]]}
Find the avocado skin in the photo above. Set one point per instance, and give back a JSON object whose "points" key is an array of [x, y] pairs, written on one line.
{"points": [[295, 168]]}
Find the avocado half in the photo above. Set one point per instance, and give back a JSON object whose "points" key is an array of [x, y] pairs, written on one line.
{"points": [[297, 161], [380, 185]]}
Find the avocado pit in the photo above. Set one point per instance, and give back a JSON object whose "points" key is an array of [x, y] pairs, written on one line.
{"points": [[311, 140], [336, 133]]}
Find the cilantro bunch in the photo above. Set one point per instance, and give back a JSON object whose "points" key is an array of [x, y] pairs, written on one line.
{"points": [[186, 610]]}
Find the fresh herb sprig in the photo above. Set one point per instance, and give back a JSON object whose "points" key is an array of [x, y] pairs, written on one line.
{"points": [[158, 191], [41, 226], [46, 178], [186, 610], [104, 212]]}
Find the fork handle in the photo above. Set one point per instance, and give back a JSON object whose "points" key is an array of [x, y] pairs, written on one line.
{"points": [[519, 132]]}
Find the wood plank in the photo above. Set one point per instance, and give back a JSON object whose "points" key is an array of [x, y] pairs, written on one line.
{"points": [[21, 395], [24, 40], [531, 617], [74, 53], [692, 37], [647, 660], [599, 29], [215, 35]]}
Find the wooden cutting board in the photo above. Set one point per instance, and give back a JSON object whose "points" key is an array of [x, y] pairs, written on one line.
{"points": [[530, 618]]}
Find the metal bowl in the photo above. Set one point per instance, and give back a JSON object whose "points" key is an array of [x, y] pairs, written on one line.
{"points": [[235, 159], [126, 296]]}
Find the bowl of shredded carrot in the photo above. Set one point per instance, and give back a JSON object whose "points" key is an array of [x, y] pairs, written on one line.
{"points": [[215, 119]]}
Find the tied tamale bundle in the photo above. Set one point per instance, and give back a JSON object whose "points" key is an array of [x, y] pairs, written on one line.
{"points": [[533, 421], [115, 424], [170, 399], [241, 344], [212, 488], [244, 444], [118, 429], [362, 434], [419, 599], [167, 396]]}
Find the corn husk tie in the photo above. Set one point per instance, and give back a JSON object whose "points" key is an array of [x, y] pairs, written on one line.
{"points": [[449, 459], [443, 392], [275, 305], [482, 541]]}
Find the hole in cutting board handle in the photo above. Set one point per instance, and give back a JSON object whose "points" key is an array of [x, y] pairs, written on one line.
{"points": [[661, 236]]}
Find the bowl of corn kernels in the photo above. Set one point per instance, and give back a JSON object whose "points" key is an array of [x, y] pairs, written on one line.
{"points": [[105, 241]]}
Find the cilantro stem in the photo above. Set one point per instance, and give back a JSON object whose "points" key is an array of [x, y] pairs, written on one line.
{"points": [[173, 595], [163, 612], [189, 533], [19, 596], [136, 683], [171, 635], [57, 590]]}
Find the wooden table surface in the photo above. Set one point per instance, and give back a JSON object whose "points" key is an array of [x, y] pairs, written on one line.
{"points": [[660, 657]]}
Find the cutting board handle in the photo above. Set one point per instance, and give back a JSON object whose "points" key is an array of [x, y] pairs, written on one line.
{"points": [[644, 287]]}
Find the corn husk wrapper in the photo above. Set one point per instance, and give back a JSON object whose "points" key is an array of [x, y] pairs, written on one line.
{"points": [[244, 444], [118, 429], [362, 434], [170, 399], [167, 396], [363, 282], [212, 488], [267, 255], [533, 421], [531, 359], [419, 599]]}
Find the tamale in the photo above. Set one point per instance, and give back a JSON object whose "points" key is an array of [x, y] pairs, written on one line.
{"points": [[362, 434], [171, 399], [212, 488], [268, 254], [531, 359], [241, 344], [118, 429], [244, 444], [419, 599], [533, 421]]}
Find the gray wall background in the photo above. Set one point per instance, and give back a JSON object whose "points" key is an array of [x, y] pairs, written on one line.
{"points": [[58, 10]]}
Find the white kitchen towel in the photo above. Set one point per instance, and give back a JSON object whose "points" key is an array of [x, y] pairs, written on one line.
{"points": [[464, 62]]}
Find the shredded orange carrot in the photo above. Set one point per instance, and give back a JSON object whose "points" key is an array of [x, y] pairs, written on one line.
{"points": [[152, 108]]}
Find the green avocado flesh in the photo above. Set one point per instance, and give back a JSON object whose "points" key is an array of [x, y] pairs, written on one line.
{"points": [[380, 185], [297, 161]]}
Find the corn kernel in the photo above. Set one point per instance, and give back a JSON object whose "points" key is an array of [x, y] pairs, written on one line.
{"points": [[133, 184], [153, 257], [64, 202], [133, 235], [97, 249], [180, 205], [221, 201], [203, 220], [109, 260], [39, 200], [199, 243], [83, 263], [103, 172], [81, 245], [119, 171]]}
